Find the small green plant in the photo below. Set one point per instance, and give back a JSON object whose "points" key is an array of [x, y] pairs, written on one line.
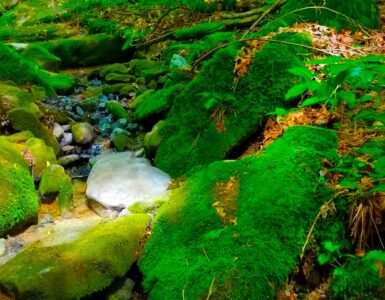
{"points": [[334, 79]]}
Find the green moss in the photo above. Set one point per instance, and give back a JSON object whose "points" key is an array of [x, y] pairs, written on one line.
{"points": [[22, 119], [149, 68], [153, 138], [196, 5], [13, 97], [237, 227], [121, 139], [76, 269], [365, 12], [208, 111], [360, 278], [117, 110], [197, 48], [114, 68], [19, 137], [18, 201], [115, 77], [199, 30], [158, 102], [87, 50], [55, 180], [43, 155], [42, 57]]}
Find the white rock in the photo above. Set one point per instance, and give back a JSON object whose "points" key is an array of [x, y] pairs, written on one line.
{"points": [[58, 130], [3, 247], [66, 140], [118, 180]]}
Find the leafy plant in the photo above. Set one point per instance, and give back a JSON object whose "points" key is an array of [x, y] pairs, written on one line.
{"points": [[333, 79]]}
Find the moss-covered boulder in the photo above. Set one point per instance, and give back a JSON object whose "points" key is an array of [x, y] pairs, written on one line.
{"points": [[55, 181], [121, 139], [18, 201], [149, 69], [153, 138], [13, 97], [235, 229], [87, 50], [114, 77], [114, 68], [21, 119], [117, 110], [83, 133], [42, 154], [76, 269], [211, 115], [43, 58]]}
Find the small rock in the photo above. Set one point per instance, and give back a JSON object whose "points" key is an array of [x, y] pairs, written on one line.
{"points": [[68, 148], [66, 127], [82, 133], [3, 247], [58, 130], [95, 83], [68, 159], [66, 140]]}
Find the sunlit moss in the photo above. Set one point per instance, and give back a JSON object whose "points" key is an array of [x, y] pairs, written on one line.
{"points": [[243, 244]]}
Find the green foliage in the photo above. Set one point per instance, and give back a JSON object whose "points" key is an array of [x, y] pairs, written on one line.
{"points": [[339, 14], [18, 201], [76, 269], [234, 230], [208, 110], [349, 80], [360, 278], [196, 5]]}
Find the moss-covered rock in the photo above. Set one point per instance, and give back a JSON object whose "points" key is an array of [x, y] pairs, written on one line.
{"points": [[209, 117], [13, 97], [158, 102], [114, 68], [199, 30], [43, 58], [83, 133], [121, 139], [22, 119], [76, 269], [42, 154], [87, 50], [18, 200], [117, 110], [19, 137], [54, 180], [153, 138], [235, 229], [149, 69], [114, 77]]}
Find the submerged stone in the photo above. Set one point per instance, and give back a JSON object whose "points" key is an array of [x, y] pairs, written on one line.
{"points": [[118, 180]]}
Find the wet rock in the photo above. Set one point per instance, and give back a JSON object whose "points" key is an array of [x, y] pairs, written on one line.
{"points": [[68, 148], [97, 258], [95, 83], [82, 133], [68, 159], [58, 130], [118, 180], [124, 292], [66, 140], [42, 155]]}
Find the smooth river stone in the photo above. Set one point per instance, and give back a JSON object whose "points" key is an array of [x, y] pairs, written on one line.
{"points": [[118, 180]]}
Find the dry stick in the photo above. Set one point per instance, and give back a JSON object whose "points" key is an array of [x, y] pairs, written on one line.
{"points": [[315, 222]]}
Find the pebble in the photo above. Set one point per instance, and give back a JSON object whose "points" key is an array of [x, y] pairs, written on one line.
{"points": [[58, 130], [68, 148], [66, 140], [68, 159]]}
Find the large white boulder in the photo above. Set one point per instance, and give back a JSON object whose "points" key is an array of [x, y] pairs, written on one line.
{"points": [[118, 180]]}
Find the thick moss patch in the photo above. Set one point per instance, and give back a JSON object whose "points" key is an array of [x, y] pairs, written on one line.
{"points": [[211, 115], [235, 229], [18, 200], [76, 269]]}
